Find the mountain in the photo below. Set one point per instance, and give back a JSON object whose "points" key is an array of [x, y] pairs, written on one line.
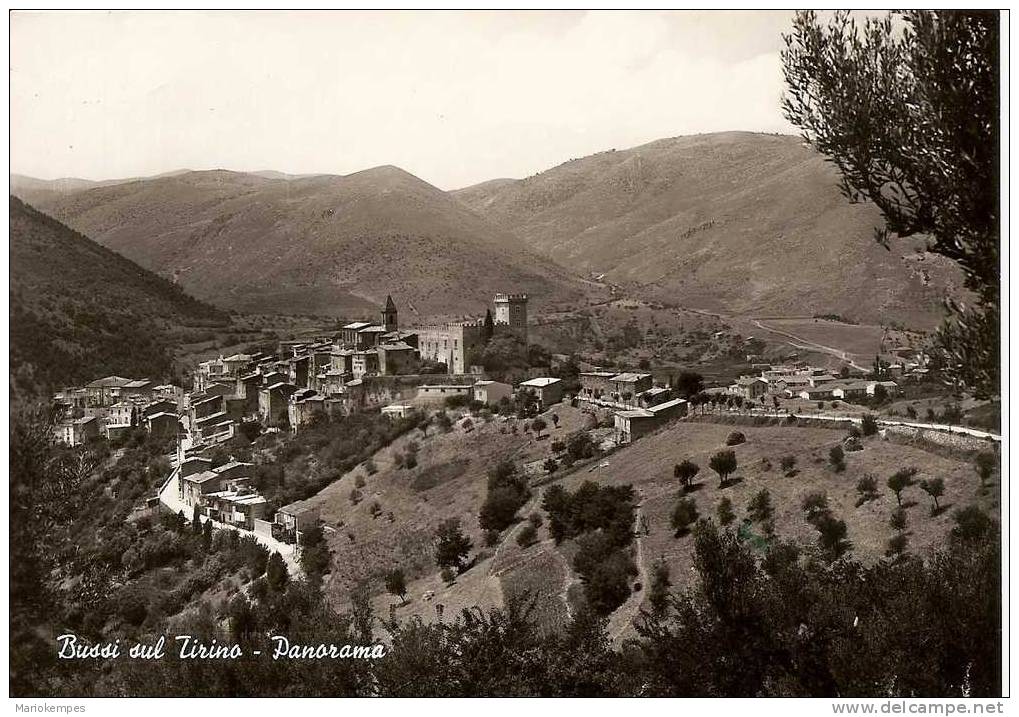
{"points": [[734, 222], [318, 244], [79, 310]]}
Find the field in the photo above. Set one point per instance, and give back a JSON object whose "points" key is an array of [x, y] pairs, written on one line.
{"points": [[449, 481]]}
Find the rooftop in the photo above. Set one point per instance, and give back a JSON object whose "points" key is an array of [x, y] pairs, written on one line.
{"points": [[630, 377], [541, 382]]}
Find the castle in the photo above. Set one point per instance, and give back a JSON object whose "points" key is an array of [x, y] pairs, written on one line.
{"points": [[455, 343]]}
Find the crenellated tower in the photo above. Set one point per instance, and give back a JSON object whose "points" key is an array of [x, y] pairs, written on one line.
{"points": [[511, 311]]}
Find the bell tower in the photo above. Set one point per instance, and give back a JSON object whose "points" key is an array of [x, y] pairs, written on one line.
{"points": [[389, 318]]}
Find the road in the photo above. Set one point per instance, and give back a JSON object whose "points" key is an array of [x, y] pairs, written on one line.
{"points": [[941, 427], [169, 495], [802, 343]]}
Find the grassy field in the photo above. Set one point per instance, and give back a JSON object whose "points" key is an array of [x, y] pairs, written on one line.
{"points": [[449, 481]]}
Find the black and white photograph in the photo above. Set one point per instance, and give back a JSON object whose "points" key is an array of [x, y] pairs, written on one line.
{"points": [[508, 353]]}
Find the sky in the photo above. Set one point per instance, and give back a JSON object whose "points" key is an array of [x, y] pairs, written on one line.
{"points": [[455, 98]]}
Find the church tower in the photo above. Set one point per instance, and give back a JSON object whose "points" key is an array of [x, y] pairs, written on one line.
{"points": [[389, 315]]}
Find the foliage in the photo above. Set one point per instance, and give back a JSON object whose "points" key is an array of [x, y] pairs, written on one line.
{"points": [[396, 583], [724, 464], [684, 514], [910, 118], [759, 508], [508, 491], [735, 438], [686, 472], [451, 545], [725, 512]]}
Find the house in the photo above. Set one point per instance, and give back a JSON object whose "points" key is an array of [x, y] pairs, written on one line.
{"points": [[817, 393], [365, 362], [491, 392], [273, 402], [162, 424], [631, 425], [237, 504], [653, 396], [195, 486], [667, 410], [850, 390], [595, 384], [293, 519], [548, 390], [438, 392], [77, 431], [396, 358], [397, 410], [626, 386], [890, 387], [105, 391], [750, 388]]}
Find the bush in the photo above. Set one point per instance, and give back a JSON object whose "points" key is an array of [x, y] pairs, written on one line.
{"points": [[837, 459], [869, 425], [725, 512], [735, 438], [491, 538], [448, 576], [759, 508], [867, 488], [684, 515], [527, 536], [788, 464]]}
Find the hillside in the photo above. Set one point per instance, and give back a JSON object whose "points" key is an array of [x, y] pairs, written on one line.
{"points": [[733, 222], [79, 310], [322, 244]]}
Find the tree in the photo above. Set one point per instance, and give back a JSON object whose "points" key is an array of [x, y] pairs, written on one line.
{"points": [[725, 512], [815, 505], [935, 488], [837, 458], [688, 383], [724, 464], [788, 464], [539, 425], [196, 520], [897, 545], [684, 515], [867, 488], [396, 583], [984, 464], [555, 419], [910, 118], [686, 472], [759, 508], [550, 465], [488, 329], [901, 480], [832, 536], [451, 545], [868, 424], [658, 595], [276, 573], [971, 524], [899, 520]]}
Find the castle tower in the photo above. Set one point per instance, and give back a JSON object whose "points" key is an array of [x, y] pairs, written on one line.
{"points": [[511, 311], [389, 314]]}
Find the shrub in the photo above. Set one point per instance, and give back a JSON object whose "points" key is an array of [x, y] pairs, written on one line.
{"points": [[735, 438], [370, 468], [725, 512], [867, 488], [411, 461], [491, 538], [837, 459], [396, 583], [788, 464], [448, 576], [527, 536], [759, 508], [815, 505], [868, 425], [684, 515], [897, 545]]}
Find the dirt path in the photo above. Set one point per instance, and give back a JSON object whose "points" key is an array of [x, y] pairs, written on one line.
{"points": [[802, 343]]}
